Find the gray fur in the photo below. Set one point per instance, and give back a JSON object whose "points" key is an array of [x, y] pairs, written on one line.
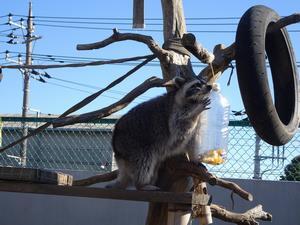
{"points": [[155, 130]]}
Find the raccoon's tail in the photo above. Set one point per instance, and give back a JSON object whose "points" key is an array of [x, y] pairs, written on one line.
{"points": [[97, 179]]}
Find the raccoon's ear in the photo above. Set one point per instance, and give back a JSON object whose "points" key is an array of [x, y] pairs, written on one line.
{"points": [[175, 82], [179, 81]]}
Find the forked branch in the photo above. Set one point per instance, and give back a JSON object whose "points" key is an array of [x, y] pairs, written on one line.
{"points": [[223, 57], [116, 37], [190, 43], [247, 218]]}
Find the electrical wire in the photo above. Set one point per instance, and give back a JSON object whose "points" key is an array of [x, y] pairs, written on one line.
{"points": [[11, 29], [93, 87], [76, 89], [124, 18], [144, 30], [93, 28], [129, 29], [129, 23], [60, 58]]}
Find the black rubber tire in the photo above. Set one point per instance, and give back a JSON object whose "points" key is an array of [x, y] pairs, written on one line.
{"points": [[276, 123]]}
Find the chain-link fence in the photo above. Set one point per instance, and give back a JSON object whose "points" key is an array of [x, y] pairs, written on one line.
{"points": [[77, 147], [88, 147]]}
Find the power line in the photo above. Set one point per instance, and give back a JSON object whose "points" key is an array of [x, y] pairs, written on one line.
{"points": [[92, 28], [76, 89], [89, 86], [128, 23], [66, 57], [11, 29], [129, 29], [144, 30], [123, 18]]}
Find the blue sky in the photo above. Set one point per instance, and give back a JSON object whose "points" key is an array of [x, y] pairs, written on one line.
{"points": [[53, 99]]}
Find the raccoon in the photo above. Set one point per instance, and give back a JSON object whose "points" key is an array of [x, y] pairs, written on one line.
{"points": [[157, 129]]}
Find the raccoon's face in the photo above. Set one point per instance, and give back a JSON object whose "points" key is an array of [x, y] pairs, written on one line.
{"points": [[197, 89], [193, 91]]}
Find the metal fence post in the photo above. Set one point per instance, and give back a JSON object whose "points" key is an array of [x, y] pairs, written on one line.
{"points": [[257, 158]]}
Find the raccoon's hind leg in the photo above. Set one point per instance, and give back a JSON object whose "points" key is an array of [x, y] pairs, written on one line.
{"points": [[124, 179], [144, 176]]}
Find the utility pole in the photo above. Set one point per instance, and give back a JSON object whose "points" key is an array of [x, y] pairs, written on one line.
{"points": [[23, 152], [257, 158]]}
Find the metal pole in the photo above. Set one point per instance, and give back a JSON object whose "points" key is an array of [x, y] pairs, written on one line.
{"points": [[23, 152], [257, 159]]}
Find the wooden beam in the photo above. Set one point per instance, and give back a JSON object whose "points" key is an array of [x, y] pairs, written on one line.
{"points": [[93, 192]]}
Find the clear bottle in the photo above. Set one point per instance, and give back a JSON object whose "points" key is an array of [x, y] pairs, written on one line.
{"points": [[214, 129]]}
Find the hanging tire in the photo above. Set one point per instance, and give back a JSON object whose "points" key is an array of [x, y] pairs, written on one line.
{"points": [[274, 121]]}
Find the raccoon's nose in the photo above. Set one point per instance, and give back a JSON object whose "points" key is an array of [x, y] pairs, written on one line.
{"points": [[209, 87]]}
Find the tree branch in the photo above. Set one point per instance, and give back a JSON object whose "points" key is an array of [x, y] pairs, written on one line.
{"points": [[285, 21], [96, 179], [186, 168], [116, 37], [189, 42], [247, 218], [122, 103], [223, 56]]}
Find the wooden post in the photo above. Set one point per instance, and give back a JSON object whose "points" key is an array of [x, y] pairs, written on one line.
{"points": [[205, 216], [174, 27], [138, 14]]}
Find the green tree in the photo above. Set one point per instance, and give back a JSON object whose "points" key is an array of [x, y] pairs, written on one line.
{"points": [[292, 170]]}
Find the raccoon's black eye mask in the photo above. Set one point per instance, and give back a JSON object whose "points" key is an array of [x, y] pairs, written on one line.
{"points": [[199, 87], [194, 89]]}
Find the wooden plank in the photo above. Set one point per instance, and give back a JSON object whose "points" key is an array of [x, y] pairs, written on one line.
{"points": [[92, 192], [35, 176]]}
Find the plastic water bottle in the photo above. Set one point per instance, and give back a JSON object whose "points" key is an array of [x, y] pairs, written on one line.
{"points": [[214, 129]]}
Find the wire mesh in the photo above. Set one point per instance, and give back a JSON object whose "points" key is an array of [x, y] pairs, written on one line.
{"points": [[87, 147], [77, 147]]}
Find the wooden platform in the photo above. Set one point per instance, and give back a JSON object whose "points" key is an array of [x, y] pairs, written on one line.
{"points": [[37, 181], [35, 176], [93, 192]]}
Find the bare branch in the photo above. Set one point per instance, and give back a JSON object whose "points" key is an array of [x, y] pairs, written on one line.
{"points": [[223, 56], [96, 179], [94, 63], [81, 104], [247, 218], [285, 21], [116, 37], [190, 43], [186, 168], [146, 85]]}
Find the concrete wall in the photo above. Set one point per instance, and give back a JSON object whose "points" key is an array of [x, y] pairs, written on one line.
{"points": [[282, 199]]}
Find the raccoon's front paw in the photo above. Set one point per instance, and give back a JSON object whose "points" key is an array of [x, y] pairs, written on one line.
{"points": [[205, 103]]}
